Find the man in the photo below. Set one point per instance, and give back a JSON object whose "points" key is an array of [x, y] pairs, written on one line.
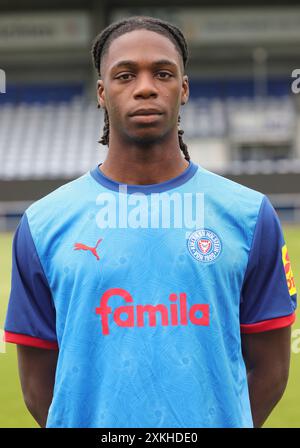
{"points": [[133, 315]]}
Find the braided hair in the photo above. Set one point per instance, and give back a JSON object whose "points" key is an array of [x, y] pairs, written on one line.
{"points": [[102, 41]]}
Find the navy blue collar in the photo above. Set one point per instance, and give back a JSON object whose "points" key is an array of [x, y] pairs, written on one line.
{"points": [[148, 188]]}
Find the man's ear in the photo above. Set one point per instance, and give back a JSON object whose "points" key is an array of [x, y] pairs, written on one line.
{"points": [[185, 90], [100, 93]]}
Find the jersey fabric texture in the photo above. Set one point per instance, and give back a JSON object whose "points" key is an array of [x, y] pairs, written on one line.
{"points": [[148, 320]]}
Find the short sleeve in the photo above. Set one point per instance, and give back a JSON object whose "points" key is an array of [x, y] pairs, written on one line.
{"points": [[268, 296], [31, 316]]}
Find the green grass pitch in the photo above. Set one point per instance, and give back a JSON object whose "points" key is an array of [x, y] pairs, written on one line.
{"points": [[13, 412]]}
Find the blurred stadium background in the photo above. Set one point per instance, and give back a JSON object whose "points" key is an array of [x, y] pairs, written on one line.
{"points": [[242, 120]]}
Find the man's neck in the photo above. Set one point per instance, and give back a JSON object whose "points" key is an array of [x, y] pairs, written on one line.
{"points": [[142, 166]]}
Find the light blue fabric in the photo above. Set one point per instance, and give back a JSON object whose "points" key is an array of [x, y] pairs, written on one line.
{"points": [[162, 375]]}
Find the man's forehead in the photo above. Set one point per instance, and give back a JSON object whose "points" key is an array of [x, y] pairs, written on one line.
{"points": [[140, 46]]}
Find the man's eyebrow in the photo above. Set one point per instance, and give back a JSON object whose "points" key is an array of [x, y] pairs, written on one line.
{"points": [[165, 62], [129, 63], [126, 63]]}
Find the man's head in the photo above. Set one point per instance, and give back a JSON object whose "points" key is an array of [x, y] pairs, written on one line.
{"points": [[141, 63]]}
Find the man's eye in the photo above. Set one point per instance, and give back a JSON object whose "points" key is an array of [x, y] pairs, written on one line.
{"points": [[125, 76], [164, 75]]}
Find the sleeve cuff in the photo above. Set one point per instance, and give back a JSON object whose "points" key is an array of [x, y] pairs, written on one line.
{"points": [[266, 325], [22, 339]]}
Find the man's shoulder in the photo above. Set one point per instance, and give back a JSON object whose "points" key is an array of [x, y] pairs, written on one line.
{"points": [[225, 189], [67, 196], [230, 201], [66, 192]]}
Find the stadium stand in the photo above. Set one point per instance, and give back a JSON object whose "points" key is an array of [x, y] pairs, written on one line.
{"points": [[57, 136], [241, 121], [48, 140]]}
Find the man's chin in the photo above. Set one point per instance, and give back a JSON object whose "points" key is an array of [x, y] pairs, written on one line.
{"points": [[146, 139]]}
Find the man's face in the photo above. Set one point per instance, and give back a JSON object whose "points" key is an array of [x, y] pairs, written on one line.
{"points": [[142, 86]]}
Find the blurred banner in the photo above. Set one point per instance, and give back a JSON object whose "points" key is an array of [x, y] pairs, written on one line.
{"points": [[44, 30], [226, 26]]}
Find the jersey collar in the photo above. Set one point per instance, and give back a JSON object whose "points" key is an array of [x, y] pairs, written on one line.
{"points": [[111, 184]]}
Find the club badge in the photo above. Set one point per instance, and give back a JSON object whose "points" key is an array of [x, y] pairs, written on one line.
{"points": [[204, 245]]}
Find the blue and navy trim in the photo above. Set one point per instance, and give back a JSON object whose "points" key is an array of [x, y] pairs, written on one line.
{"points": [[187, 174], [31, 314]]}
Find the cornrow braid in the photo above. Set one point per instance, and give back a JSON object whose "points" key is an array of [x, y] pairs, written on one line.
{"points": [[104, 140], [102, 41], [183, 145]]}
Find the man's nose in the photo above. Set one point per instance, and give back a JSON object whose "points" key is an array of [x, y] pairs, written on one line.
{"points": [[145, 86]]}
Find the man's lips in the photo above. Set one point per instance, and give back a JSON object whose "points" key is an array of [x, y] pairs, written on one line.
{"points": [[145, 112]]}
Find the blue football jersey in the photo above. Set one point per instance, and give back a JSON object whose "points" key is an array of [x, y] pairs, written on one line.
{"points": [[145, 290]]}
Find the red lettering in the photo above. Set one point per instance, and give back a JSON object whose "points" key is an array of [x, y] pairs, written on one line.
{"points": [[183, 309], [151, 309], [174, 310], [204, 319], [129, 322], [104, 310]]}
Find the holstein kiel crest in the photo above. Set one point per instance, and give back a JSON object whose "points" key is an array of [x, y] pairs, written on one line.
{"points": [[204, 245]]}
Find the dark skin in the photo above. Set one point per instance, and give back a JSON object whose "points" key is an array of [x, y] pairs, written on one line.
{"points": [[37, 368], [143, 70], [267, 359]]}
